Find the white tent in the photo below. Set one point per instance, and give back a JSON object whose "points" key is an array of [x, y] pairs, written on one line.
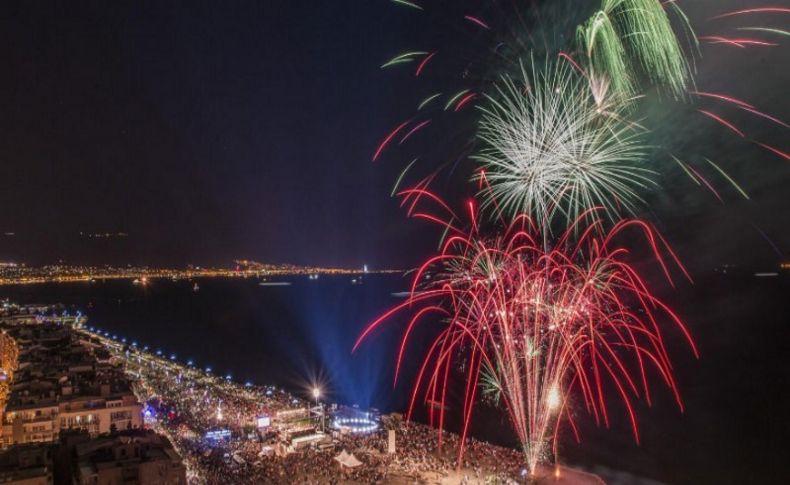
{"points": [[347, 460]]}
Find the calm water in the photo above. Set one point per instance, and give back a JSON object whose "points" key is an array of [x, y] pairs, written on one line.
{"points": [[735, 428]]}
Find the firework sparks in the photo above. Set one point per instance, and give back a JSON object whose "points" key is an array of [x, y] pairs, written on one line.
{"points": [[403, 58], [541, 326], [737, 42], [414, 130], [408, 4], [389, 138], [767, 30], [624, 51], [424, 63], [477, 22], [427, 101], [544, 330], [722, 122], [551, 146], [641, 29], [774, 150], [753, 11]]}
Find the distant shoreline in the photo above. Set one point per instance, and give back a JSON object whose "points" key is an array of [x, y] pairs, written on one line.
{"points": [[176, 275]]}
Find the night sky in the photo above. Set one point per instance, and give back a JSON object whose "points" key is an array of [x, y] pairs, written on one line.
{"points": [[205, 133], [210, 131], [214, 130]]}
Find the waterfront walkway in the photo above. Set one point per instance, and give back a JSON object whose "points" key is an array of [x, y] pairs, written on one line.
{"points": [[186, 403]]}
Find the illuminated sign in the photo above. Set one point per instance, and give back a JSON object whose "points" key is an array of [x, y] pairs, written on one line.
{"points": [[219, 434], [264, 421]]}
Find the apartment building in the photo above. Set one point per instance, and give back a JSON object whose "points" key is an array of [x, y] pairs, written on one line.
{"points": [[64, 381]]}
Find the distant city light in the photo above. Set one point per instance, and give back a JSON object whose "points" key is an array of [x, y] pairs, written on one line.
{"points": [[11, 273]]}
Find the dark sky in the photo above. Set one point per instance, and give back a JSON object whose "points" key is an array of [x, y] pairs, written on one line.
{"points": [[209, 131], [206, 131]]}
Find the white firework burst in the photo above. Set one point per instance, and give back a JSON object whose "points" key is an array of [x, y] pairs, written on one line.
{"points": [[555, 143]]}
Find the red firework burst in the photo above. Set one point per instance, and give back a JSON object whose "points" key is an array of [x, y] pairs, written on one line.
{"points": [[537, 324]]}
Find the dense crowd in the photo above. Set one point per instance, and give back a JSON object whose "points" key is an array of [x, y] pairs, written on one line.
{"points": [[186, 403], [417, 459]]}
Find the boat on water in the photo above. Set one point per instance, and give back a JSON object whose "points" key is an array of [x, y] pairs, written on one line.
{"points": [[196, 287], [766, 275], [274, 283]]}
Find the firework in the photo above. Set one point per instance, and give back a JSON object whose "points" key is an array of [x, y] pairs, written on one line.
{"points": [[626, 38], [552, 145], [543, 325], [625, 50], [547, 331]]}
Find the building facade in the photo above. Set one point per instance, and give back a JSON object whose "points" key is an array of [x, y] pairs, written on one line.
{"points": [[64, 381]]}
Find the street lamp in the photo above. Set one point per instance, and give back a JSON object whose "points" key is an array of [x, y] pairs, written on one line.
{"points": [[316, 395]]}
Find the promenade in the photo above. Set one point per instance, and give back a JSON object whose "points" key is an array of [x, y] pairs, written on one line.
{"points": [[212, 422]]}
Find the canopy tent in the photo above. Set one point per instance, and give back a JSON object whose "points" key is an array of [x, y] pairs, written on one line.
{"points": [[347, 460]]}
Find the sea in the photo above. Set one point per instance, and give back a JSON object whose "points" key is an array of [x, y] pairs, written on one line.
{"points": [[734, 426]]}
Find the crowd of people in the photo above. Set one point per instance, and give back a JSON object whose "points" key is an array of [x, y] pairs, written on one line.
{"points": [[203, 402], [188, 405], [420, 454], [417, 459]]}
